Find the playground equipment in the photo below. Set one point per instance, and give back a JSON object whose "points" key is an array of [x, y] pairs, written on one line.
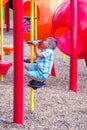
{"points": [[33, 36], [4, 66], [18, 44], [18, 61], [44, 21], [30, 27], [62, 28], [8, 49], [45, 10], [4, 2]]}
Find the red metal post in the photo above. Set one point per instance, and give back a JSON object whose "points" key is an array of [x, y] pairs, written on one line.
{"points": [[73, 59], [18, 61], [7, 17]]}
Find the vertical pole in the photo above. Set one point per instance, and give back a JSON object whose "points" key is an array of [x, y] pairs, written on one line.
{"points": [[32, 51], [73, 59], [18, 61], [63, 56], [35, 19], [7, 16], [2, 35], [1, 29]]}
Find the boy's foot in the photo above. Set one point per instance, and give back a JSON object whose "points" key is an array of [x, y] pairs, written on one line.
{"points": [[28, 60], [32, 81], [36, 84]]}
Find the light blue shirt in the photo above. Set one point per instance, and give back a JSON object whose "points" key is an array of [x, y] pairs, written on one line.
{"points": [[45, 63]]}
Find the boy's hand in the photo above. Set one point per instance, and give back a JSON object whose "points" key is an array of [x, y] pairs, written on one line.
{"points": [[34, 42]]}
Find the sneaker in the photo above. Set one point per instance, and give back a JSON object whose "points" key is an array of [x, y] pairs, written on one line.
{"points": [[28, 60], [30, 82], [34, 86], [37, 84]]}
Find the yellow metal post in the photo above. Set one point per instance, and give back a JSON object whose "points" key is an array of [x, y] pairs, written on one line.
{"points": [[35, 19], [63, 56], [32, 4], [1, 34], [78, 60], [32, 30], [1, 28]]}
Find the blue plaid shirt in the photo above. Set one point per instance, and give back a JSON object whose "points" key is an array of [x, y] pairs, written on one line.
{"points": [[45, 63]]}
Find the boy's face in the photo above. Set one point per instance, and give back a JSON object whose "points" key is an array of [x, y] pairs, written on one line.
{"points": [[46, 44]]}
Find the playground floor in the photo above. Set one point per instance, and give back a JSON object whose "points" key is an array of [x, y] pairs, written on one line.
{"points": [[56, 107]]}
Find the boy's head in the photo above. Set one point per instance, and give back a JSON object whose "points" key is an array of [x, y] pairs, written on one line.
{"points": [[50, 43]]}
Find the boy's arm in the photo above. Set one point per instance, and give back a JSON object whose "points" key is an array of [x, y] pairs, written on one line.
{"points": [[37, 52]]}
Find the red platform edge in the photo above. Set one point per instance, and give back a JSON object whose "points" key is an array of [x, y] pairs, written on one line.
{"points": [[4, 66], [53, 71]]}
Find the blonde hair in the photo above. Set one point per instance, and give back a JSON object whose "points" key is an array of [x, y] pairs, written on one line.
{"points": [[52, 42]]}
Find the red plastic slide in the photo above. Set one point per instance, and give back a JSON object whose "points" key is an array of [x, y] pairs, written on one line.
{"points": [[61, 27]]}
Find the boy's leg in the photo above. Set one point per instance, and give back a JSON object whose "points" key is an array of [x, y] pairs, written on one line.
{"points": [[32, 71], [30, 66], [36, 84], [37, 79]]}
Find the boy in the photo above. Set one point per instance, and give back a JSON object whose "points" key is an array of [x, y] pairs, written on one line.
{"points": [[40, 71]]}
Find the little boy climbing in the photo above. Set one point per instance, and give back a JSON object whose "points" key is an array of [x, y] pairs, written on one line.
{"points": [[40, 71]]}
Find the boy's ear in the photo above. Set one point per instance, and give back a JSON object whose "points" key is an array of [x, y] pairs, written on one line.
{"points": [[48, 45]]}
